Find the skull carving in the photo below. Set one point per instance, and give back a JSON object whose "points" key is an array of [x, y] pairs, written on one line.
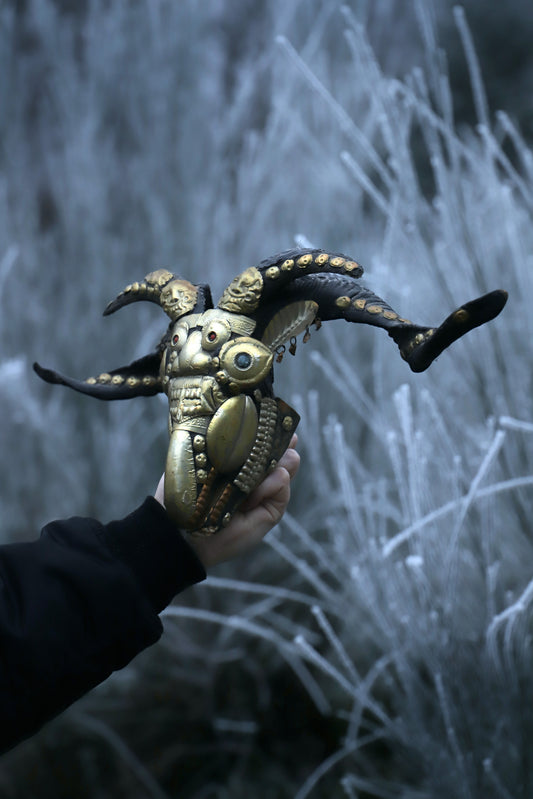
{"points": [[226, 427]]}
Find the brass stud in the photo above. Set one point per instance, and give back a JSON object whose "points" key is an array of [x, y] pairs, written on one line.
{"points": [[374, 309], [201, 476], [287, 265], [390, 315], [460, 316], [304, 260], [287, 423], [272, 272], [342, 302], [359, 304], [198, 443], [117, 380], [201, 459], [91, 381], [133, 381], [322, 259], [337, 261], [351, 266], [104, 378]]}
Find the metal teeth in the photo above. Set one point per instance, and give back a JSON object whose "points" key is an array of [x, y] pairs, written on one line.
{"points": [[257, 461]]}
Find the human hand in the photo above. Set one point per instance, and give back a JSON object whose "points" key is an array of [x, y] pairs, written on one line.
{"points": [[260, 512]]}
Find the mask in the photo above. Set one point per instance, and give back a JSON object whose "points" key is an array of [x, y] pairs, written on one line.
{"points": [[215, 364]]}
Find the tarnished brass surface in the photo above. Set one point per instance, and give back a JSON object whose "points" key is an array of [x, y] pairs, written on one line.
{"points": [[231, 433], [243, 293], [245, 361], [227, 430], [180, 478], [290, 321]]}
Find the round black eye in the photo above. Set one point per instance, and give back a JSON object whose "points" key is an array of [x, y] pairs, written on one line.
{"points": [[175, 339], [211, 335], [242, 360]]}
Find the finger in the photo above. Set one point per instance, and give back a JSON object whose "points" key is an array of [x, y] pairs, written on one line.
{"points": [[277, 481], [290, 460]]}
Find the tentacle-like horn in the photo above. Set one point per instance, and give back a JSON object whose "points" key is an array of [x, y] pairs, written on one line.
{"points": [[175, 295], [140, 378], [286, 293]]}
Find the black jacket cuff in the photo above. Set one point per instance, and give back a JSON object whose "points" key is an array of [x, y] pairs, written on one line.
{"points": [[154, 549]]}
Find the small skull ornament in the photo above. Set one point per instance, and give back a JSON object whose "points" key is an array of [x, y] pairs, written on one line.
{"points": [[226, 427]]}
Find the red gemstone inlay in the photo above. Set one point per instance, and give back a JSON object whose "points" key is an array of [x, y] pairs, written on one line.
{"points": [[175, 339], [212, 335]]}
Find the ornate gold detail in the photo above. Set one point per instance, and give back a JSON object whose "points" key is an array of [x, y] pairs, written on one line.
{"points": [[287, 423], [243, 293], [132, 381], [342, 302], [159, 277], [289, 321], [231, 433], [104, 378], [178, 297], [352, 266], [272, 272], [256, 463], [390, 315], [91, 381], [322, 259], [460, 316], [117, 380], [375, 309], [287, 265], [245, 361], [198, 443], [360, 304], [337, 261], [304, 260]]}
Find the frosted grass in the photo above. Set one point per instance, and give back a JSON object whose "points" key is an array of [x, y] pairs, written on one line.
{"points": [[396, 593]]}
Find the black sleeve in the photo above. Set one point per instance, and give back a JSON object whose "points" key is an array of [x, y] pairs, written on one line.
{"points": [[79, 603]]}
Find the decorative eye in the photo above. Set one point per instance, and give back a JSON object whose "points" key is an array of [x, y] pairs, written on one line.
{"points": [[179, 336], [245, 361], [215, 333]]}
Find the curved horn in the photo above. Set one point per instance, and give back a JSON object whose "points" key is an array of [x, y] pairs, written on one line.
{"points": [[286, 293], [175, 296], [148, 289], [139, 379]]}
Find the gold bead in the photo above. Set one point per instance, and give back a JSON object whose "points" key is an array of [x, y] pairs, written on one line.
{"points": [[272, 272], [351, 266], [287, 265], [201, 475], [304, 260], [91, 381], [460, 316], [390, 315], [337, 261], [133, 381], [322, 259], [104, 378], [359, 304], [198, 443], [287, 423], [342, 302], [201, 459], [374, 309], [117, 380]]}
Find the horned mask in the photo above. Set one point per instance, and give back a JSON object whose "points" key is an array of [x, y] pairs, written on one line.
{"points": [[227, 429]]}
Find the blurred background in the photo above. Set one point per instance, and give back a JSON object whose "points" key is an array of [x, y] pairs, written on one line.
{"points": [[379, 643]]}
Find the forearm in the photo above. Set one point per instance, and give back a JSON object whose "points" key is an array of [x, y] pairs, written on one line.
{"points": [[79, 603]]}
